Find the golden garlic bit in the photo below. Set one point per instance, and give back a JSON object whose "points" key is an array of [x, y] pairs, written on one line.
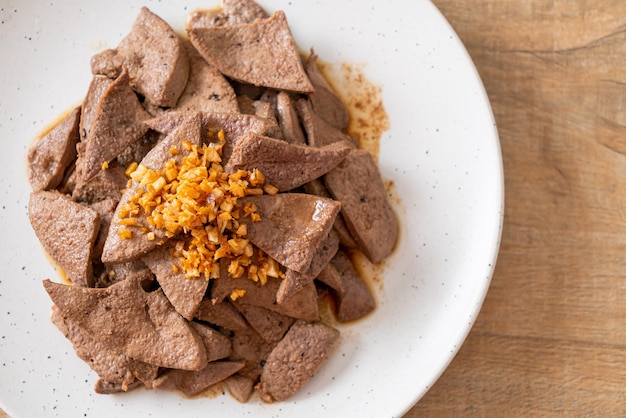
{"points": [[195, 204], [237, 293]]}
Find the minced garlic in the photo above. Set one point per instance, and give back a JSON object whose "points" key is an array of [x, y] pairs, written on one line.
{"points": [[195, 203], [237, 293], [125, 233]]}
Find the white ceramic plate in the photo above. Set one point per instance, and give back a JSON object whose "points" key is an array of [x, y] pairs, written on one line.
{"points": [[442, 153]]}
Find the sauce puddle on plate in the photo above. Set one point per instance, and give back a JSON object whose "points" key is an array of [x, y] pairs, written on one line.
{"points": [[363, 99]]}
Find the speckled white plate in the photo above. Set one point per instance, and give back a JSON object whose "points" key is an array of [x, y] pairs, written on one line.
{"points": [[442, 153]]}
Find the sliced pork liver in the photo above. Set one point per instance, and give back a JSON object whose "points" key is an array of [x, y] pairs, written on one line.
{"points": [[240, 387], [324, 101], [217, 345], [104, 387], [222, 314], [183, 293], [207, 90], [106, 184], [109, 365], [67, 230], [292, 226], [118, 250], [235, 126], [116, 272], [70, 178], [242, 11], [193, 382], [154, 56], [288, 120], [116, 125], [262, 53], [353, 296], [49, 157], [127, 320], [105, 209], [302, 305], [318, 188], [357, 184], [330, 277], [318, 131], [246, 105], [98, 86], [295, 282], [233, 12], [250, 347], [285, 165], [205, 18], [265, 111], [296, 358], [270, 325], [136, 151]]}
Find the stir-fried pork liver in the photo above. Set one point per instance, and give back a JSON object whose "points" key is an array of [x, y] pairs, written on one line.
{"points": [[318, 188], [117, 272], [324, 101], [117, 123], [295, 281], [207, 89], [143, 326], [233, 12], [50, 156], [357, 184], [288, 119], [240, 387], [217, 345], [106, 184], [318, 131], [193, 382], [261, 53], [292, 226], [110, 366], [353, 296], [234, 125], [270, 325], [99, 84], [154, 56], [105, 209], [302, 305], [67, 230], [243, 11], [295, 359], [105, 387], [222, 314], [183, 293], [285, 165], [139, 149], [252, 349]]}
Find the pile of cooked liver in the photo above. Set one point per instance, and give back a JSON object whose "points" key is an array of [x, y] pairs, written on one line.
{"points": [[132, 313]]}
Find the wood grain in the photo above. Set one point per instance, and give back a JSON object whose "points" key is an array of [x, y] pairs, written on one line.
{"points": [[551, 337]]}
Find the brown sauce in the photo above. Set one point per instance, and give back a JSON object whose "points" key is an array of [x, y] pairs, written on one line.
{"points": [[363, 99]]}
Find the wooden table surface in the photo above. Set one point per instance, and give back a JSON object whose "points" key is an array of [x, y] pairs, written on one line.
{"points": [[551, 337]]}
